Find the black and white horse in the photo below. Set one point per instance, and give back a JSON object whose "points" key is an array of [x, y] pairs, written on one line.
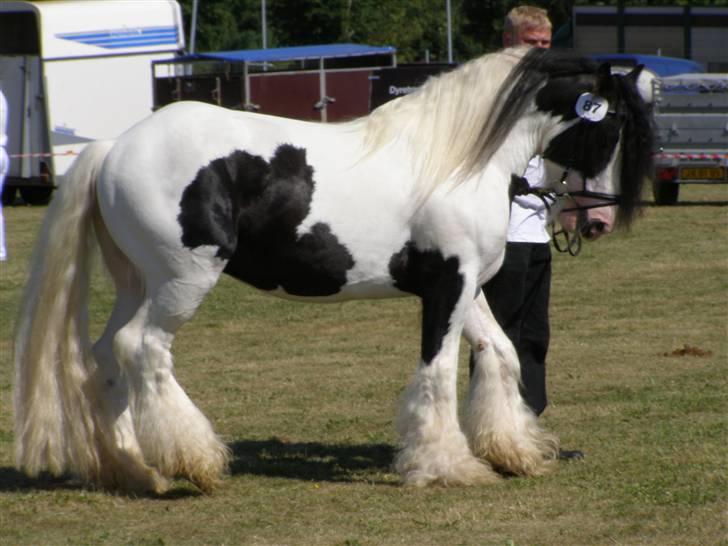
{"points": [[411, 200]]}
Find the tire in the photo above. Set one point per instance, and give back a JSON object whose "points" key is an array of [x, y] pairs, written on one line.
{"points": [[665, 193], [8, 197], [36, 195]]}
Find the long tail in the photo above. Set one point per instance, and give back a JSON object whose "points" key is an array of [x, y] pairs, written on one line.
{"points": [[54, 428]]}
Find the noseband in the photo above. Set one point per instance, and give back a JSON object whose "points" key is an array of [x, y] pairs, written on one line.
{"points": [[571, 242]]}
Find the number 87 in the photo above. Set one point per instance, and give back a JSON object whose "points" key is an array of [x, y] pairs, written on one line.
{"points": [[587, 106]]}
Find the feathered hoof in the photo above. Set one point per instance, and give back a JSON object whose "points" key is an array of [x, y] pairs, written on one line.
{"points": [[132, 477], [206, 470], [210, 476], [419, 468], [529, 457]]}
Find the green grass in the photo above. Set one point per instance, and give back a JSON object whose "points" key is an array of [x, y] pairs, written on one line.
{"points": [[305, 396]]}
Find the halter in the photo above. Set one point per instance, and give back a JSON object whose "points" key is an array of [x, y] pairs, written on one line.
{"points": [[572, 242]]}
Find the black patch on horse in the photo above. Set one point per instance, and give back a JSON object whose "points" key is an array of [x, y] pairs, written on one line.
{"points": [[250, 209], [438, 282], [587, 146]]}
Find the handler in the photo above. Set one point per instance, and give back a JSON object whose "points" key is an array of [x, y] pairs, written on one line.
{"points": [[519, 293]]}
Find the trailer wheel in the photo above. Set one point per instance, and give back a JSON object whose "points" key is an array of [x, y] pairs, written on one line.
{"points": [[8, 197], [34, 195], [665, 193]]}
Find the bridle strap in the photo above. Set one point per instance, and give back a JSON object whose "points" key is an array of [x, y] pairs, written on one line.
{"points": [[571, 241]]}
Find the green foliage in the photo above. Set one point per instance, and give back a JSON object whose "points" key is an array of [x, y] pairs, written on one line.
{"points": [[415, 27], [418, 28]]}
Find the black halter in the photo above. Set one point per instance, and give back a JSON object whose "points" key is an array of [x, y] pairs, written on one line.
{"points": [[571, 242]]}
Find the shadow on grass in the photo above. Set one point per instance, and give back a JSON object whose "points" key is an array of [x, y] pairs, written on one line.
{"points": [[312, 461], [12, 481], [276, 458], [687, 203]]}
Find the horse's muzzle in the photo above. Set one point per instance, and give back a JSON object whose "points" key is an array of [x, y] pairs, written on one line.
{"points": [[593, 229]]}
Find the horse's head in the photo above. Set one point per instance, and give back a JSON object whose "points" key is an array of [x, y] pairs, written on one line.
{"points": [[602, 145]]}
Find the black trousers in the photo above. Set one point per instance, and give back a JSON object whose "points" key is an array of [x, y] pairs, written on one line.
{"points": [[518, 295]]}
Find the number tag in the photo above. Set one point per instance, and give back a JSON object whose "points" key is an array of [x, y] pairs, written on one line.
{"points": [[591, 107]]}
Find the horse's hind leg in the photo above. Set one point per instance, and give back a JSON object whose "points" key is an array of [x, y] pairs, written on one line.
{"points": [[501, 427], [174, 436], [122, 463]]}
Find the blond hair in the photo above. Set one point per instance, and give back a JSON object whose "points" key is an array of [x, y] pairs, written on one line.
{"points": [[526, 17]]}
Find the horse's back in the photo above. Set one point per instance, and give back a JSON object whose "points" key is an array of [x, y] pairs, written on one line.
{"points": [[284, 205]]}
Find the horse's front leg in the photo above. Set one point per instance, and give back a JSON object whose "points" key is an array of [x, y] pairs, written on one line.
{"points": [[434, 448], [501, 427]]}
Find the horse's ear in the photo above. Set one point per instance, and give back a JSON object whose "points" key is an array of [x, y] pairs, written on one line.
{"points": [[634, 74], [644, 81], [604, 76], [604, 71]]}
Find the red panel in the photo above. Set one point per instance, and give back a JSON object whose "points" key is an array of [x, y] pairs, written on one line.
{"points": [[351, 91], [295, 95], [287, 95]]}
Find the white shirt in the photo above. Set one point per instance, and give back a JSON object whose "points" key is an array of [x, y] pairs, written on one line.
{"points": [[528, 212]]}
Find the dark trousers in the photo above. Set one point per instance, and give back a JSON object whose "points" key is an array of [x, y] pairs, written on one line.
{"points": [[518, 295]]}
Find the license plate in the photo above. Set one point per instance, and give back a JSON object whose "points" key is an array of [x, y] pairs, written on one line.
{"points": [[702, 173]]}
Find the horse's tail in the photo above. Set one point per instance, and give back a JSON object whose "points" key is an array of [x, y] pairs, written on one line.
{"points": [[54, 428]]}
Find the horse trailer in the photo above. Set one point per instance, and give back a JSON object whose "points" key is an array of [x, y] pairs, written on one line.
{"points": [[691, 114], [74, 72]]}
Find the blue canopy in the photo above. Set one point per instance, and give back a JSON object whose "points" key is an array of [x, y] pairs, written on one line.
{"points": [[296, 53], [662, 66]]}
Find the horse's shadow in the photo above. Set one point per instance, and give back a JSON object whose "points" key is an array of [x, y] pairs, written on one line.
{"points": [[13, 481], [312, 461], [273, 458]]}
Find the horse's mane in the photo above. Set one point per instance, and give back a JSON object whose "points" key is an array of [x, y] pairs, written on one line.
{"points": [[443, 121], [638, 146], [457, 121]]}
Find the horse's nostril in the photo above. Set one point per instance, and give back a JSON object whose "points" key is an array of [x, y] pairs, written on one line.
{"points": [[593, 229]]}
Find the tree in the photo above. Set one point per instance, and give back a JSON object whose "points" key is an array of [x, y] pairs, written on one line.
{"points": [[414, 27]]}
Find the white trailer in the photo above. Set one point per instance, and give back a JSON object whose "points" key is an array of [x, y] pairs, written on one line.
{"points": [[74, 72]]}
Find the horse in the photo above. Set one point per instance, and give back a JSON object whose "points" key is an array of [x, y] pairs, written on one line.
{"points": [[411, 200]]}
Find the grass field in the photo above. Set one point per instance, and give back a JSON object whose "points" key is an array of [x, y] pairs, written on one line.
{"points": [[305, 396]]}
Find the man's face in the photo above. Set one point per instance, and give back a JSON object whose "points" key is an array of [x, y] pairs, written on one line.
{"points": [[534, 37]]}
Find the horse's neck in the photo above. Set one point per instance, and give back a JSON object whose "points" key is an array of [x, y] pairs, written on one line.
{"points": [[524, 141]]}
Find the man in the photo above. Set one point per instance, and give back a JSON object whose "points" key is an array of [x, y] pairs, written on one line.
{"points": [[519, 293]]}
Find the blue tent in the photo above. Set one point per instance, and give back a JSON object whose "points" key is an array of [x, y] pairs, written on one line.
{"points": [[662, 66], [297, 53]]}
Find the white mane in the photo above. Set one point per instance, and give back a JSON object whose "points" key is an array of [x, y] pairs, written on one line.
{"points": [[443, 121]]}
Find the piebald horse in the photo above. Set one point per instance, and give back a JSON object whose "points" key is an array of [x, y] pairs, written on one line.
{"points": [[410, 200]]}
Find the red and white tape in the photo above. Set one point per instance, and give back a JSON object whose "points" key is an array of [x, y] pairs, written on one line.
{"points": [[69, 152], [693, 156]]}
